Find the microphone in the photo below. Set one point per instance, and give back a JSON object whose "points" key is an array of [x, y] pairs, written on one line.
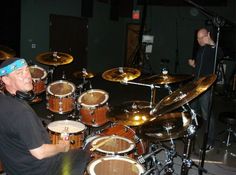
{"points": [[142, 159]]}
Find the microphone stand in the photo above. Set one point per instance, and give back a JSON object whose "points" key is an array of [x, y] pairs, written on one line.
{"points": [[217, 22]]}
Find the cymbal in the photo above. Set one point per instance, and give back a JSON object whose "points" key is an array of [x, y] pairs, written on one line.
{"points": [[165, 127], [166, 79], [6, 52], [54, 58], [131, 113], [121, 74], [184, 94], [83, 74]]}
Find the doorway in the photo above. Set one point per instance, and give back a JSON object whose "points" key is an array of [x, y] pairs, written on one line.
{"points": [[69, 35]]}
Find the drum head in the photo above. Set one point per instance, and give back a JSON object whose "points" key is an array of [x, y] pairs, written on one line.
{"points": [[115, 165], [93, 98], [73, 126], [61, 88], [37, 73], [113, 144]]}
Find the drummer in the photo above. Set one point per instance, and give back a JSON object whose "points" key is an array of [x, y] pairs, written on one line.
{"points": [[25, 145]]}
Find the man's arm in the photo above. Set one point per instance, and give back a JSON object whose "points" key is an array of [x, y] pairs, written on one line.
{"points": [[48, 150]]}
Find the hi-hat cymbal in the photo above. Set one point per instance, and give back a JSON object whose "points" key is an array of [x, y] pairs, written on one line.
{"points": [[83, 74], [131, 113], [166, 79], [166, 127], [184, 94], [6, 52], [54, 58], [121, 74]]}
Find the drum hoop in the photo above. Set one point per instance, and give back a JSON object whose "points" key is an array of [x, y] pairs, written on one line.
{"points": [[96, 105], [60, 81], [131, 147], [42, 69], [81, 127], [92, 164]]}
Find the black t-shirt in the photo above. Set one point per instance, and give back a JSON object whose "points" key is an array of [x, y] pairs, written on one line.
{"points": [[20, 131], [205, 60]]}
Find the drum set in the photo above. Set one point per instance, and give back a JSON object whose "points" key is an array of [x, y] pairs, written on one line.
{"points": [[126, 138]]}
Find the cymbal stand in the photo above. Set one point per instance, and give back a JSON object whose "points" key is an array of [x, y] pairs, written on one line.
{"points": [[152, 86], [51, 72]]}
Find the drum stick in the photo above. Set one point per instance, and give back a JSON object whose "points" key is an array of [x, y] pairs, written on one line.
{"points": [[101, 144]]}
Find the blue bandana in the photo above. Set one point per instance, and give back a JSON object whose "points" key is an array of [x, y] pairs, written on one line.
{"points": [[18, 63]]}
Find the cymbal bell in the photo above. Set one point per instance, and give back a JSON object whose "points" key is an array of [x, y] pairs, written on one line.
{"points": [[83, 74], [131, 113], [166, 79], [6, 53], [184, 94], [165, 127], [121, 74], [54, 58]]}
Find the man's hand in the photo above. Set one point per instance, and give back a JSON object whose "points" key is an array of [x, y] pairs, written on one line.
{"points": [[191, 62]]}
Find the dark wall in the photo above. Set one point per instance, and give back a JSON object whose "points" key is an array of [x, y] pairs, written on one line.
{"points": [[10, 24]]}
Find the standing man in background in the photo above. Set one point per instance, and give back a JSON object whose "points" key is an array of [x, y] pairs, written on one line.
{"points": [[204, 65]]}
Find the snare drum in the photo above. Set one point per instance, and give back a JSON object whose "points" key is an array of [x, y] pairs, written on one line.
{"points": [[75, 130], [93, 107], [115, 165], [39, 77], [60, 96]]}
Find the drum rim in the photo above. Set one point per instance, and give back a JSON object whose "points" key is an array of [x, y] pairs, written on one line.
{"points": [[131, 147], [82, 126], [91, 165], [93, 90], [44, 72], [60, 81]]}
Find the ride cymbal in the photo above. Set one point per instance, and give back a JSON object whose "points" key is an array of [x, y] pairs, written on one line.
{"points": [[131, 113], [166, 79], [6, 53], [183, 95], [121, 74], [54, 58], [166, 127]]}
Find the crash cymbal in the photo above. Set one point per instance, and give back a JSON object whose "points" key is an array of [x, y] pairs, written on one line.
{"points": [[166, 79], [121, 74], [131, 113], [6, 52], [54, 58], [83, 74], [166, 127], [184, 94]]}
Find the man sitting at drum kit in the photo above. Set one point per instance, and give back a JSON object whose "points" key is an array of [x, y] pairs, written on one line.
{"points": [[25, 144]]}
